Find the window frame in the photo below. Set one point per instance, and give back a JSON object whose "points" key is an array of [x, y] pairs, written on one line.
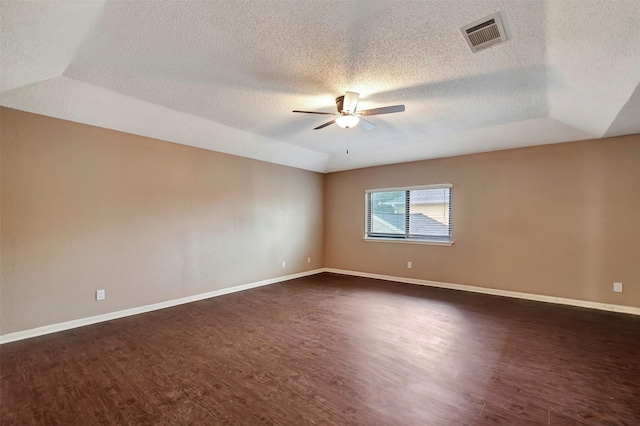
{"points": [[407, 238]]}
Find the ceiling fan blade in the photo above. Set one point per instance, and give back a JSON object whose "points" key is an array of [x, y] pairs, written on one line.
{"points": [[315, 112], [382, 110], [366, 125], [324, 125], [350, 102]]}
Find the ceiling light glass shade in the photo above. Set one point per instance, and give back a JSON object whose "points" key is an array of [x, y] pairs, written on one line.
{"points": [[347, 121]]}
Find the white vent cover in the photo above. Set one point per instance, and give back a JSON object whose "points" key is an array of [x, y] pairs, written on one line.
{"points": [[485, 32]]}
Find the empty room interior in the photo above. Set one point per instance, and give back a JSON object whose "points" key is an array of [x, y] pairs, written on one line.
{"points": [[320, 212]]}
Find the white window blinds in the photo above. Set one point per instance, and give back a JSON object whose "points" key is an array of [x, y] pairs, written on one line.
{"points": [[413, 213]]}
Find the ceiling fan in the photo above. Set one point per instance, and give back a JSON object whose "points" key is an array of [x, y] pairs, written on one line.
{"points": [[348, 116]]}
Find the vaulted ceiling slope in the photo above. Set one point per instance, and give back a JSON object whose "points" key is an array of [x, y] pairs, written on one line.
{"points": [[225, 75]]}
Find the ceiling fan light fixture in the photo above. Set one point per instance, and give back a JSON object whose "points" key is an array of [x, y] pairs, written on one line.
{"points": [[347, 121], [347, 116]]}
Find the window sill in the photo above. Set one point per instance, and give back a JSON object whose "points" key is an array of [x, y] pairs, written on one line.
{"points": [[406, 241]]}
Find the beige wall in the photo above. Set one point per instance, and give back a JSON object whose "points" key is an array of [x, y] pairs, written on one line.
{"points": [[84, 208], [506, 235]]}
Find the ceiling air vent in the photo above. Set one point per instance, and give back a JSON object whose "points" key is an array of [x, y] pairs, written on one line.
{"points": [[485, 32]]}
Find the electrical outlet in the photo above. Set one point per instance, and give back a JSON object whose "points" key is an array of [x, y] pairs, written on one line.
{"points": [[283, 264], [617, 287], [409, 265], [308, 260], [100, 295]]}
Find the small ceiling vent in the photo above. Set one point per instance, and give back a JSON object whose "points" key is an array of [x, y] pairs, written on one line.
{"points": [[484, 32]]}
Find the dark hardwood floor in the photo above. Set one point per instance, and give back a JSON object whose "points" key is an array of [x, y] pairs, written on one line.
{"points": [[331, 349]]}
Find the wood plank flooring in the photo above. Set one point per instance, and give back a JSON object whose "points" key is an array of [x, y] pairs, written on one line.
{"points": [[335, 350]]}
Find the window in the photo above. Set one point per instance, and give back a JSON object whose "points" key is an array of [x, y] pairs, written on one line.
{"points": [[417, 214]]}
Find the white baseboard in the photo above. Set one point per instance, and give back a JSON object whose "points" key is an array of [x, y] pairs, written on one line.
{"points": [[506, 293], [54, 328]]}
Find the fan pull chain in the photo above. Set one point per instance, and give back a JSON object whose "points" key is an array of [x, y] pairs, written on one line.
{"points": [[347, 141]]}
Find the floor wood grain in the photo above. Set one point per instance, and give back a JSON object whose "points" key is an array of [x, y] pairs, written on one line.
{"points": [[331, 349]]}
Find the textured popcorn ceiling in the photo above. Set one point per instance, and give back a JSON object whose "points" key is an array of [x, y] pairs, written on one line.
{"points": [[225, 75]]}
